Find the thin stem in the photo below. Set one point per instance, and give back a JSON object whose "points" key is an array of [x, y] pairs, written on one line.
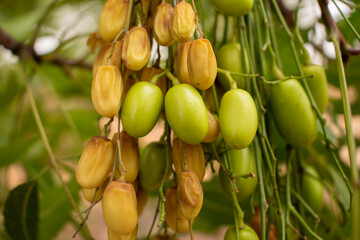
{"points": [[273, 82], [108, 60], [154, 219], [172, 78], [347, 21], [304, 203], [191, 231], [220, 70], [128, 17], [197, 20]]}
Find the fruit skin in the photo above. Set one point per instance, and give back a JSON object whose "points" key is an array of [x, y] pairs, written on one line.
{"points": [[114, 236], [186, 113], [141, 108], [202, 64], [242, 162], [214, 128], [244, 234], [235, 8], [136, 48], [162, 25], [238, 118], [229, 58], [106, 91], [173, 214], [88, 193], [292, 113], [190, 194], [119, 207], [152, 165], [95, 162], [180, 63], [311, 188], [195, 159], [317, 85], [183, 22], [116, 55], [112, 18], [130, 156]]}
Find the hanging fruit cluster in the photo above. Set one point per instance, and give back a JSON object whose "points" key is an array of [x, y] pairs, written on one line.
{"points": [[224, 118]]}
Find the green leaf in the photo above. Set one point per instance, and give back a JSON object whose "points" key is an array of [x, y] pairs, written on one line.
{"points": [[55, 209], [21, 212]]}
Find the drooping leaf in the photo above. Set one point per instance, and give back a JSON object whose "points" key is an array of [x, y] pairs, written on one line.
{"points": [[21, 212]]}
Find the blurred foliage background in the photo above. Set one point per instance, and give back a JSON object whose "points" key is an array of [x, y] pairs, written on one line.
{"points": [[60, 80]]}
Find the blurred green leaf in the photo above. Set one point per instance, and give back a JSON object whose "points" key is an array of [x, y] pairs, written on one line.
{"points": [[21, 212]]}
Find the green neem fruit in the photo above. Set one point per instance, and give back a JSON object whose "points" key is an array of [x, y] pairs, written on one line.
{"points": [[244, 234], [152, 165], [141, 108], [317, 85], [186, 113], [292, 112], [229, 58], [238, 118], [242, 162], [234, 7], [311, 188]]}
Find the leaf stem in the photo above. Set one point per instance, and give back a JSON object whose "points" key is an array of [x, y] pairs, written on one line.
{"points": [[347, 21]]}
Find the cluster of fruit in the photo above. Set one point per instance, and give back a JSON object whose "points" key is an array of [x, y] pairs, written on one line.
{"points": [[124, 86]]}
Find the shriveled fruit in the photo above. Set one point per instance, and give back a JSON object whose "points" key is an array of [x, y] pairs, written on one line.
{"points": [[116, 55], [229, 58], [152, 165], [106, 91], [141, 109], [247, 233], [99, 59], [202, 64], [95, 162], [162, 25], [190, 194], [255, 224], [311, 188], [242, 163], [235, 8], [188, 157], [214, 128], [112, 18], [183, 22], [114, 236], [238, 118], [119, 207], [317, 84], [136, 48], [186, 113], [88, 193], [130, 156], [292, 113], [180, 64], [173, 214]]}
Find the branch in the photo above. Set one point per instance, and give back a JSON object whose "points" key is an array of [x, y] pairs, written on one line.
{"points": [[23, 51]]}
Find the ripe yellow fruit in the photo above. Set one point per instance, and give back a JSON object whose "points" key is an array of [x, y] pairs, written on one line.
{"points": [[116, 55], [136, 48], [114, 236], [173, 215], [106, 91], [180, 64], [183, 22], [202, 65], [190, 194], [162, 24], [188, 157], [130, 156], [119, 207], [214, 128], [95, 162], [113, 18]]}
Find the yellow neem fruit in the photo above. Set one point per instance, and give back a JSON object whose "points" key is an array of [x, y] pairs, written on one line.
{"points": [[180, 64], [129, 156], [95, 162], [214, 128], [162, 24], [202, 64], [119, 207], [136, 48], [88, 193], [190, 194], [106, 91], [115, 236], [116, 56], [173, 215], [99, 59], [113, 18], [188, 157], [183, 22]]}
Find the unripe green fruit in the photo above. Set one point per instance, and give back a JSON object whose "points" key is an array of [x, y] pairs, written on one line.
{"points": [[244, 234], [311, 188]]}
